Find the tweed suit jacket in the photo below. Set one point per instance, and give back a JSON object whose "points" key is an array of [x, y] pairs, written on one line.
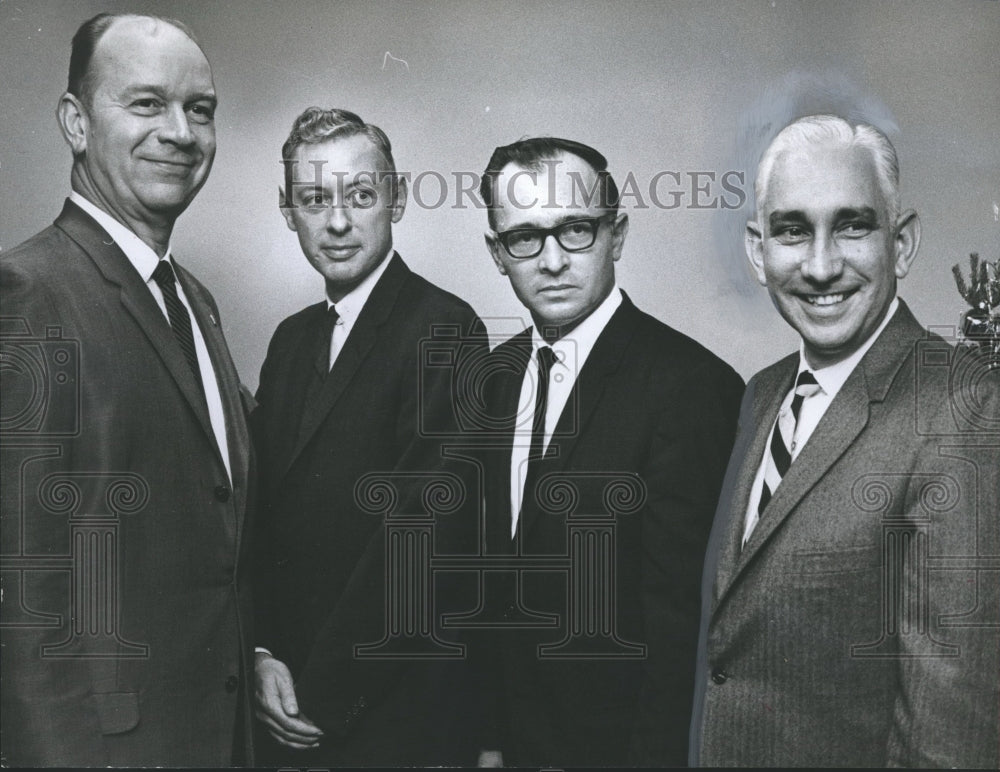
{"points": [[126, 608], [859, 624]]}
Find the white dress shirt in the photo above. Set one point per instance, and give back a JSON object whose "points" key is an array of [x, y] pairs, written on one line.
{"points": [[349, 307], [145, 260], [830, 380], [571, 353]]}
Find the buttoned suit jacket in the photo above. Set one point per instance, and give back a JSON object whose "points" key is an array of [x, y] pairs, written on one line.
{"points": [[116, 498], [383, 410], [641, 444], [854, 628]]}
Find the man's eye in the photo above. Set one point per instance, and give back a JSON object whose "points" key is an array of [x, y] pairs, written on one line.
{"points": [[521, 237], [791, 234], [146, 105], [857, 229], [362, 198], [313, 200], [202, 113]]}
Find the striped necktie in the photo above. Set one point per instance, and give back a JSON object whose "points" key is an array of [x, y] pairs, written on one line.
{"points": [[779, 457], [180, 319]]}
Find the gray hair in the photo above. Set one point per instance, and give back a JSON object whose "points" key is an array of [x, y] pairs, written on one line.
{"points": [[832, 130]]}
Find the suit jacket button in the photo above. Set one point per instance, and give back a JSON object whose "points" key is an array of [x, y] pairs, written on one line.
{"points": [[222, 493], [719, 675], [231, 683]]}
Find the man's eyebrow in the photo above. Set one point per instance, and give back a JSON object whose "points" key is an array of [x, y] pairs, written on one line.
{"points": [[149, 88], [785, 216], [857, 213], [559, 221]]}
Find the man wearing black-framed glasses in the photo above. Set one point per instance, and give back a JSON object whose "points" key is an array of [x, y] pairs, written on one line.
{"points": [[594, 395]]}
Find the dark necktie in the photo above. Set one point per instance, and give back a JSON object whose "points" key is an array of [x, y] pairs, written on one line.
{"points": [[546, 358], [177, 313], [325, 341], [805, 386]]}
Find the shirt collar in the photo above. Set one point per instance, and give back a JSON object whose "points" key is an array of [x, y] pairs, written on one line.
{"points": [[349, 306], [833, 377], [573, 348], [138, 252]]}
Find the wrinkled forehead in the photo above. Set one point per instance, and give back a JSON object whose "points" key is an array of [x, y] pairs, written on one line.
{"points": [[557, 189], [823, 179]]}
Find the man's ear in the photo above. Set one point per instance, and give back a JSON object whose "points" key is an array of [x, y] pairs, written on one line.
{"points": [[753, 243], [73, 122], [399, 202], [494, 246], [619, 230], [907, 241], [286, 208]]}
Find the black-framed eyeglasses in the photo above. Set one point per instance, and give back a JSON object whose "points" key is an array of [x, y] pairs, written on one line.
{"points": [[572, 235]]}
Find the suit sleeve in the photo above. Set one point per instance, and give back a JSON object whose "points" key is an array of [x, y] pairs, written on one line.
{"points": [[947, 710], [683, 475]]}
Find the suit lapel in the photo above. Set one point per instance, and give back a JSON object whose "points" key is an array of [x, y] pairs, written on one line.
{"points": [[765, 394], [359, 343], [138, 301], [845, 419], [237, 432], [605, 358]]}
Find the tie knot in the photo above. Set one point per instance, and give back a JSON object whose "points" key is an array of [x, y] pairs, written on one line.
{"points": [[330, 319], [546, 358], [164, 273], [806, 384]]}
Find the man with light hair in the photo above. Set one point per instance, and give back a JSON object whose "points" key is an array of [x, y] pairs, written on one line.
{"points": [[344, 394], [844, 620]]}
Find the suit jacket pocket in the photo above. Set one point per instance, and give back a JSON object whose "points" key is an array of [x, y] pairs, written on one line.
{"points": [[117, 712]]}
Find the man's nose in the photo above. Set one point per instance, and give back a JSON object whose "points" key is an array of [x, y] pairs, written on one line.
{"points": [[338, 219], [552, 258], [823, 260], [176, 127]]}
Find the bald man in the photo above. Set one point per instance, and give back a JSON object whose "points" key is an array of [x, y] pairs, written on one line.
{"points": [[126, 457]]}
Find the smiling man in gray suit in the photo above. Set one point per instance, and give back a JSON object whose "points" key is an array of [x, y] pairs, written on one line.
{"points": [[851, 591], [127, 468]]}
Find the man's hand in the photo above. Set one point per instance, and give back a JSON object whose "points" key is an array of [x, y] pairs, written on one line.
{"points": [[277, 707]]}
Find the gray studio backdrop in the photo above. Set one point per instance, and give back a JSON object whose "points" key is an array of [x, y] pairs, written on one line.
{"points": [[678, 95]]}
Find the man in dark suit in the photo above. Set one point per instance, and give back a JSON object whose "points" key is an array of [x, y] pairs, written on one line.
{"points": [[344, 394], [616, 429], [126, 457], [850, 609]]}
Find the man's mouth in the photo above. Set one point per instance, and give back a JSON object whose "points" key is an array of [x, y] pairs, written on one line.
{"points": [[341, 252], [829, 299], [556, 288]]}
